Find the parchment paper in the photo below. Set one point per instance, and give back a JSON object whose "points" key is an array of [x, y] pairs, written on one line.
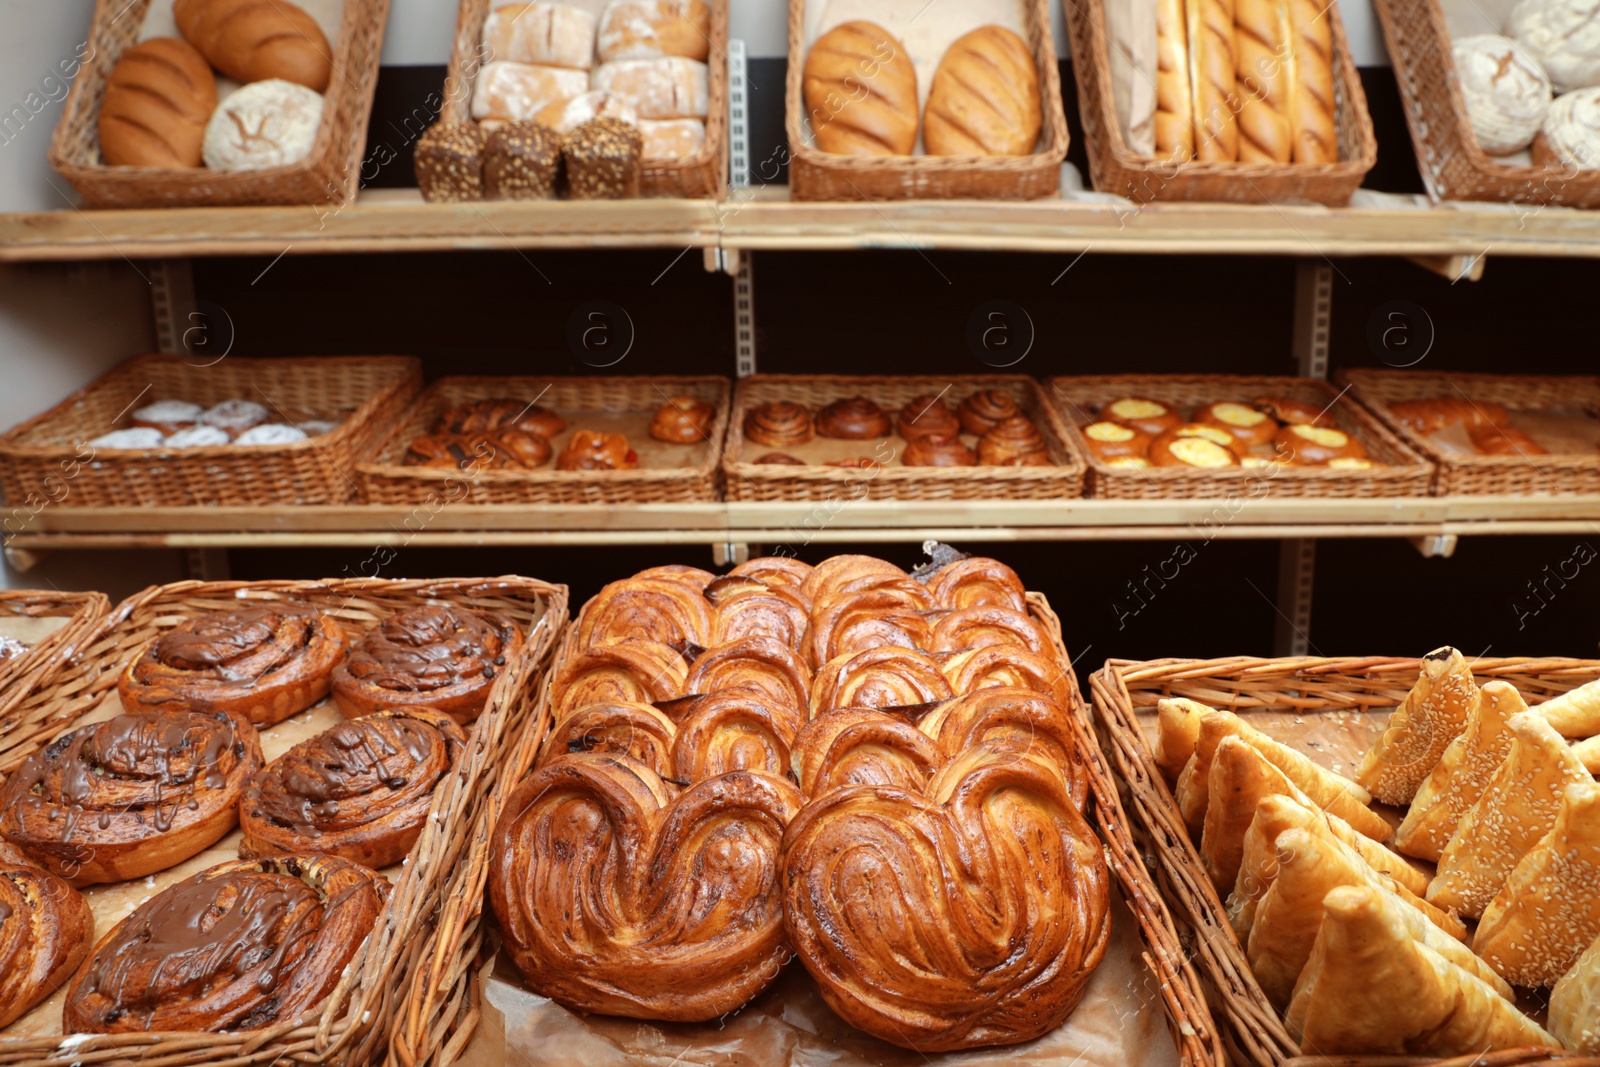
{"points": [[1131, 51], [30, 630]]}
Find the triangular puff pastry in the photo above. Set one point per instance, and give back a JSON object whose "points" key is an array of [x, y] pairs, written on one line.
{"points": [[1575, 713], [1575, 1004], [1290, 912], [1462, 773], [1588, 753], [1369, 987], [1516, 810], [1548, 911], [1178, 728], [1420, 729]]}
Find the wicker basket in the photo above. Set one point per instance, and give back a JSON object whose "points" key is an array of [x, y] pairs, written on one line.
{"points": [[1116, 168], [702, 176], [1125, 695], [1462, 473], [80, 612], [1453, 166], [818, 175], [765, 481], [329, 174], [47, 460], [1405, 474], [352, 1025], [384, 480]]}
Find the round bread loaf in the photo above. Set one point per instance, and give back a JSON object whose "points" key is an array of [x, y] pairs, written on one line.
{"points": [[985, 97], [1570, 136], [1564, 36], [861, 92], [158, 98], [264, 124], [258, 40], [1506, 91]]}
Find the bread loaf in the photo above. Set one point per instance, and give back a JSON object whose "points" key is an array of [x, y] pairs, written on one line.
{"points": [[984, 100], [672, 139], [650, 29], [564, 116], [264, 124], [667, 88], [545, 33], [1174, 106], [1312, 105], [1265, 77], [511, 92], [158, 99], [1211, 80], [861, 92], [254, 40]]}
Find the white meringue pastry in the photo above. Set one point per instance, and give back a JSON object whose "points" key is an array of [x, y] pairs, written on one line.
{"points": [[1564, 36], [1506, 91]]}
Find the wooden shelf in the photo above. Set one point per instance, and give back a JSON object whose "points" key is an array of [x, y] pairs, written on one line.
{"points": [[765, 219]]}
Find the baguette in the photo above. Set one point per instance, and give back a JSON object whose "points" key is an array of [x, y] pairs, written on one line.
{"points": [[1311, 109], [1265, 70], [1211, 80], [1174, 105]]}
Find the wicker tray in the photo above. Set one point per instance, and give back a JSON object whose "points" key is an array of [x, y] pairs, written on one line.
{"points": [[667, 473], [52, 624], [764, 481], [1116, 168], [352, 1025], [702, 176], [1125, 695], [1457, 472], [329, 174], [818, 175], [46, 460], [1405, 473], [1453, 166]]}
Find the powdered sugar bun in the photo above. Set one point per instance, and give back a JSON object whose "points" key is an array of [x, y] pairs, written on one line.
{"points": [[273, 433], [197, 437], [1570, 136], [1506, 90], [317, 427], [168, 416], [136, 437], [235, 416], [1564, 36]]}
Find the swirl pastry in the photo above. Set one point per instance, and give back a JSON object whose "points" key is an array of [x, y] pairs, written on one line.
{"points": [[263, 663], [978, 582], [883, 677], [775, 571], [856, 620], [437, 657], [241, 946], [976, 627], [924, 415], [634, 730], [937, 450], [1007, 666], [683, 420], [986, 409], [359, 790], [592, 450], [693, 577], [603, 878], [46, 928], [1014, 442], [839, 574], [970, 913], [129, 796], [638, 671], [778, 424], [751, 608], [656, 609], [736, 730], [759, 664], [853, 418], [479, 416], [1015, 721], [861, 746]]}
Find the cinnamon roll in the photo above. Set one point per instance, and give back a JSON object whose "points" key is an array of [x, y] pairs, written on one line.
{"points": [[840, 574], [1014, 442], [437, 657], [882, 677], [264, 663], [978, 582], [975, 627], [634, 730], [637, 671], [862, 746], [778, 424], [655, 609], [760, 664], [986, 409], [1004, 934], [1007, 666], [478, 416], [751, 608], [130, 796], [924, 415], [592, 450], [852, 418], [241, 946], [775, 571], [856, 620], [600, 874], [46, 929], [683, 420], [359, 790], [936, 450]]}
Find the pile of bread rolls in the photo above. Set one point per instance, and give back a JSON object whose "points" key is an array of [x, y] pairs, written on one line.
{"points": [[1335, 921], [161, 109], [1538, 86], [861, 95], [1136, 433], [1247, 81]]}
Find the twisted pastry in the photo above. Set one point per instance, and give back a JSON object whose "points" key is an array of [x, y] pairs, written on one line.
{"points": [[638, 672], [760, 664], [778, 424], [683, 420], [736, 730], [978, 581], [842, 574], [853, 418], [856, 620], [882, 677], [262, 663], [1015, 721], [616, 893], [1007, 666], [593, 450], [129, 796], [656, 609], [359, 790], [924, 415], [776, 571], [46, 928], [1014, 442], [970, 913], [437, 657], [692, 577], [746, 607], [240, 946], [505, 449], [937, 450], [975, 627], [478, 416], [861, 746], [986, 409], [634, 730]]}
